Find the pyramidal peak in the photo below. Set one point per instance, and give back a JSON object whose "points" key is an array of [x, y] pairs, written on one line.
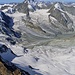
{"points": [[57, 6]]}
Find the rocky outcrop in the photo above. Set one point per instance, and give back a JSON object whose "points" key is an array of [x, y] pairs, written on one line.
{"points": [[59, 19], [65, 7], [69, 8], [6, 24], [22, 7], [5, 71], [6, 67], [6, 28]]}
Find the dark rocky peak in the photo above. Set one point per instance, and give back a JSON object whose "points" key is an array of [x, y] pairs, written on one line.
{"points": [[8, 21], [6, 26]]}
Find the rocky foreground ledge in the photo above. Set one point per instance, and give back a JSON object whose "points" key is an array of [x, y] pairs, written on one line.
{"points": [[6, 69]]}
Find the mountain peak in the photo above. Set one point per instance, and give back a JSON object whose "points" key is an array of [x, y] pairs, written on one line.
{"points": [[57, 6]]}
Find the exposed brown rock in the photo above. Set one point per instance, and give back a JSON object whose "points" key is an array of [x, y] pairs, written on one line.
{"points": [[5, 71]]}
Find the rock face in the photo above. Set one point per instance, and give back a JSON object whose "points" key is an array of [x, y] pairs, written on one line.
{"points": [[22, 7], [8, 21], [66, 7], [5, 71], [6, 28], [32, 5], [59, 18], [69, 8]]}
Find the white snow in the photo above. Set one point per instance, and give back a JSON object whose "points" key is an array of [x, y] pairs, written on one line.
{"points": [[51, 60], [57, 6], [6, 5], [64, 15], [30, 7], [52, 18], [5, 10], [18, 50], [9, 7], [40, 5]]}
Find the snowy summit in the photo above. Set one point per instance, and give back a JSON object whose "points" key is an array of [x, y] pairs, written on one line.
{"points": [[57, 6]]}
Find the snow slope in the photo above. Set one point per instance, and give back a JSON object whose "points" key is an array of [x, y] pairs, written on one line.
{"points": [[48, 60]]}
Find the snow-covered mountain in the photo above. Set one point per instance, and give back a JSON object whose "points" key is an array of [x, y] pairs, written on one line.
{"points": [[8, 8], [43, 45], [59, 19], [21, 7], [68, 7]]}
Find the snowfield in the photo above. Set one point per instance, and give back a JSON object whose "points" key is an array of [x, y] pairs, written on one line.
{"points": [[48, 60]]}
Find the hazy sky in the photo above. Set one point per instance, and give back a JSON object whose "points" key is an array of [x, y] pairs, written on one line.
{"points": [[8, 1]]}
